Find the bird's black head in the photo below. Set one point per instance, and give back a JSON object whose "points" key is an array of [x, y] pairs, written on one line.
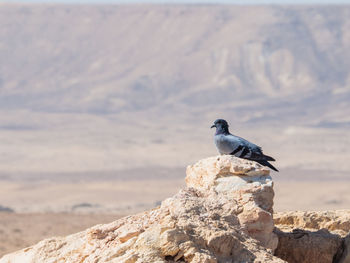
{"points": [[221, 126]]}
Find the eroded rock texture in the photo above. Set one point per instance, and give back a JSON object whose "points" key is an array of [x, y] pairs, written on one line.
{"points": [[313, 237], [337, 221], [224, 215]]}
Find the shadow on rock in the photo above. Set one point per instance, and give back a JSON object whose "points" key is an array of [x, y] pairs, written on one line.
{"points": [[306, 246]]}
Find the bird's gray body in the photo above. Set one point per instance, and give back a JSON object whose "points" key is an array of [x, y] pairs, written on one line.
{"points": [[227, 143]]}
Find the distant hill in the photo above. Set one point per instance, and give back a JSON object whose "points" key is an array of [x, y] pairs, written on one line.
{"points": [[82, 85]]}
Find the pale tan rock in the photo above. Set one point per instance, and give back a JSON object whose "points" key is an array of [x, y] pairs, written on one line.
{"points": [[313, 237], [247, 183], [344, 255], [205, 172], [337, 221], [302, 246], [223, 216]]}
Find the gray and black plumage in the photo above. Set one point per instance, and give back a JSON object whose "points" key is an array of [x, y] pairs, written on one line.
{"points": [[227, 143]]}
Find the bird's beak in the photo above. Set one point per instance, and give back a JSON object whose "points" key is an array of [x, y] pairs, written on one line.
{"points": [[212, 126]]}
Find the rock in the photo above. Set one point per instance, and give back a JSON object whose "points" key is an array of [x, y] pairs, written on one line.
{"points": [[224, 215], [245, 182], [305, 246], [337, 222], [344, 253], [312, 237]]}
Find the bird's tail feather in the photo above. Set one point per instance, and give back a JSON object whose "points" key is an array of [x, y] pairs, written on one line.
{"points": [[268, 158], [266, 163]]}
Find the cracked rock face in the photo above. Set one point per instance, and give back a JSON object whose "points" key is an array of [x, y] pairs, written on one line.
{"points": [[244, 183], [337, 221], [224, 215], [313, 237], [301, 246]]}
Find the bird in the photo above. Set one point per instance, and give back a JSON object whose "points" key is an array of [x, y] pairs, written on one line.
{"points": [[227, 143]]}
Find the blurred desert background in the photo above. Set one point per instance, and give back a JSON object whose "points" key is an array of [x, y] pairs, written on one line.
{"points": [[102, 107]]}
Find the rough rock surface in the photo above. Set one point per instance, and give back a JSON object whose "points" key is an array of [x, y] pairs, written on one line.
{"points": [[245, 183], [345, 255], [306, 246], [224, 215], [337, 221], [312, 237]]}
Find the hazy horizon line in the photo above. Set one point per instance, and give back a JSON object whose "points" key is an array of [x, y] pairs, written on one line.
{"points": [[182, 2]]}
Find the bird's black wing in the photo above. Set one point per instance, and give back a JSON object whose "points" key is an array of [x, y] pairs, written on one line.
{"points": [[244, 149], [247, 150]]}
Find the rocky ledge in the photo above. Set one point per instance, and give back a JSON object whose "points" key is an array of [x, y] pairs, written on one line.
{"points": [[313, 237], [223, 215]]}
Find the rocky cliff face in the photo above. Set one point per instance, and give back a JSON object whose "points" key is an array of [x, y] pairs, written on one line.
{"points": [[313, 237], [224, 215]]}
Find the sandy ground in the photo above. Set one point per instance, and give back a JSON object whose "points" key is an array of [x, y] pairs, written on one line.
{"points": [[311, 195], [21, 230], [111, 197]]}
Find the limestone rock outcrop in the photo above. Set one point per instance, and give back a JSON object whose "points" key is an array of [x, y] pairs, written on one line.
{"points": [[302, 246], [313, 237], [247, 184], [223, 215], [337, 221]]}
